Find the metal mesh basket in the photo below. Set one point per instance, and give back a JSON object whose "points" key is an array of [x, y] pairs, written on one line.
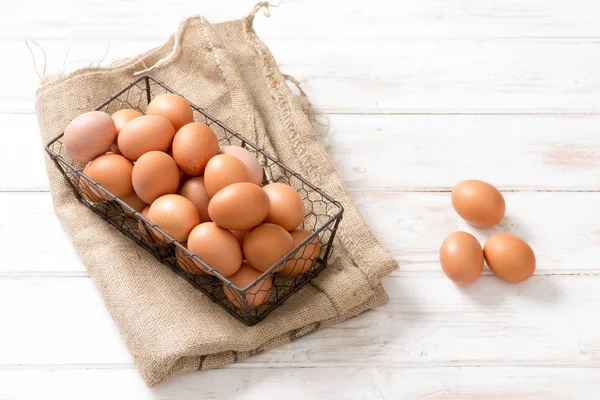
{"points": [[249, 304]]}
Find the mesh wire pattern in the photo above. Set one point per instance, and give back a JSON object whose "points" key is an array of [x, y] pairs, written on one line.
{"points": [[268, 289]]}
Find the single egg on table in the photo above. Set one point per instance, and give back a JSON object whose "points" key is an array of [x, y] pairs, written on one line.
{"points": [[286, 206], [172, 107], [193, 146], [155, 174], [509, 257], [113, 172], [304, 258], [265, 245], [144, 134], [240, 206], [243, 278], [478, 203], [217, 247], [248, 158], [89, 135], [223, 170], [461, 258]]}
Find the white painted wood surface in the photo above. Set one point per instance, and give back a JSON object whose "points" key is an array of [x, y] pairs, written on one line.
{"points": [[420, 94]]}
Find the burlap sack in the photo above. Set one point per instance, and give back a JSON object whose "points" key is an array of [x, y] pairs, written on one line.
{"points": [[169, 326]]}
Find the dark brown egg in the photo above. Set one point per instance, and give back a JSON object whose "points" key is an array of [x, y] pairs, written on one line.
{"points": [[194, 144]]}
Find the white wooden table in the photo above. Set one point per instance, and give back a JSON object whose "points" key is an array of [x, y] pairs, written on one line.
{"points": [[420, 94]]}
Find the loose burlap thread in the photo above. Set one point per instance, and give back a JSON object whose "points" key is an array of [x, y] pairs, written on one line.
{"points": [[169, 326]]}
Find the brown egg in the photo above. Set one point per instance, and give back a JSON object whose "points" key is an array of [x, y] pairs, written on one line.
{"points": [[243, 278], [155, 174], [223, 170], [240, 235], [240, 206], [144, 134], [194, 144], [478, 203], [187, 263], [134, 202], [113, 173], [89, 135], [155, 236], [265, 245], [305, 257], [461, 258], [286, 206], [195, 190], [175, 215], [249, 159], [509, 257], [121, 118], [217, 247], [172, 107]]}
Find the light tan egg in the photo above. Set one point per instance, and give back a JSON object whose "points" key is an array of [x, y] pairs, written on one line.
{"points": [[509, 257], [89, 135], [112, 172], [265, 245], [172, 107], [144, 134], [217, 247], [478, 203], [175, 215], [155, 174], [223, 170], [194, 144], [304, 258], [249, 159], [239, 206], [255, 296], [461, 257], [286, 206], [195, 190]]}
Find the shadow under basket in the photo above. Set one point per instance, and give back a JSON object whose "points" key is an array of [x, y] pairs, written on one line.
{"points": [[248, 304]]}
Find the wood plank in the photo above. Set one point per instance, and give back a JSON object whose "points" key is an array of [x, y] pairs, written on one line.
{"points": [[383, 77], [314, 19], [561, 228], [410, 152], [548, 320], [346, 383]]}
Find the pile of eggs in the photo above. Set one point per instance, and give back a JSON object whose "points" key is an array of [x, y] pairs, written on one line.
{"points": [[509, 257], [209, 198]]}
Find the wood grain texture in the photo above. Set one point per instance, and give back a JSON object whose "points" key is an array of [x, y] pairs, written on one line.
{"points": [[399, 76], [410, 152], [562, 228], [546, 321], [320, 383]]}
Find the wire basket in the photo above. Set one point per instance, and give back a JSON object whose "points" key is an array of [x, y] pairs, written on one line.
{"points": [[271, 288]]}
